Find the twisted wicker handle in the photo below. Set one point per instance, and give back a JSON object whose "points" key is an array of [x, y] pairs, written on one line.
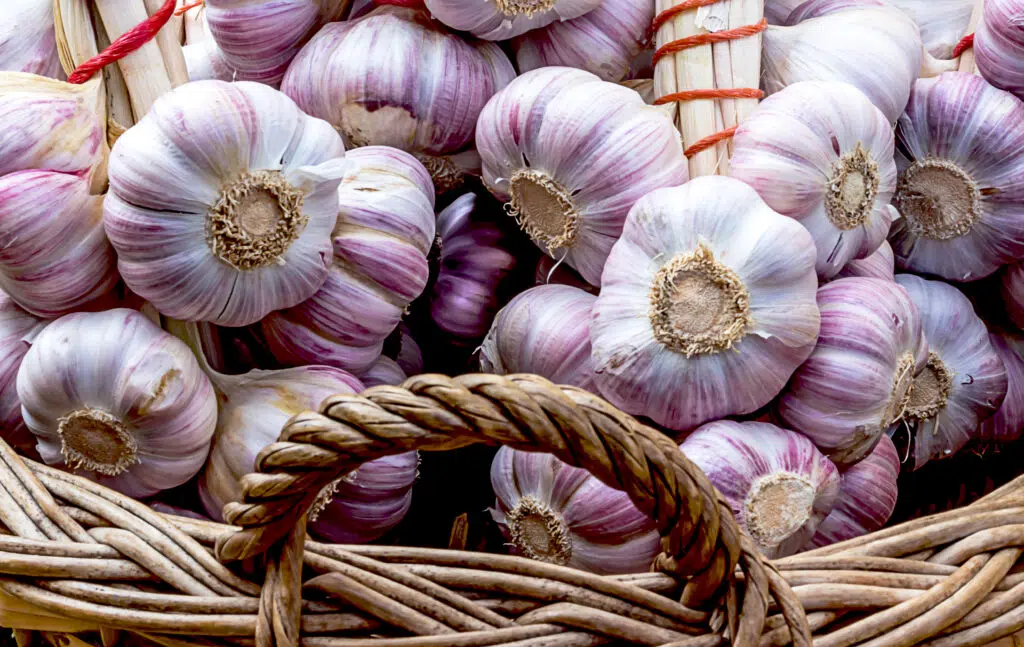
{"points": [[700, 538]]}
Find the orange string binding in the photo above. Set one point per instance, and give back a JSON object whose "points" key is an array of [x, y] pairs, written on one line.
{"points": [[188, 7], [125, 44]]}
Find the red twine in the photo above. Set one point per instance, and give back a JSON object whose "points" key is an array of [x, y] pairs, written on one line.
{"points": [[965, 43], [125, 44], [186, 8]]}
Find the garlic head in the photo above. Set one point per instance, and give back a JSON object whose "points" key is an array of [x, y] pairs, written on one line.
{"points": [[999, 45], [18, 329], [880, 265], [1012, 283], [1007, 423], [504, 19], [28, 42]]}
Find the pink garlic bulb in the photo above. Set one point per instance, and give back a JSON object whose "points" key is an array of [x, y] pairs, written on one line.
{"points": [[604, 41], [821, 153], [880, 265], [203, 58], [571, 154], [563, 515], [707, 305], [867, 497], [960, 153], [1007, 423], [1013, 293], [384, 232], [964, 381], [544, 330], [472, 267], [857, 383], [504, 19], [999, 45], [27, 39], [18, 329], [779, 486], [396, 78]]}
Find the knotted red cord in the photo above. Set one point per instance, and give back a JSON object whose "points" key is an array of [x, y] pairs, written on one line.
{"points": [[188, 7], [965, 43], [125, 44]]}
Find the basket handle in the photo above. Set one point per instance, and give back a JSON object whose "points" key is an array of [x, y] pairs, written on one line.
{"points": [[700, 538]]}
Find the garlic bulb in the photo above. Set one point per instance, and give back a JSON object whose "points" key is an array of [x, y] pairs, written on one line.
{"points": [[603, 41], [396, 78], [942, 23], [18, 329], [875, 49], [27, 39], [821, 153], [964, 381], [546, 331], [222, 201], [1007, 423], [880, 265], [571, 153], [960, 153], [504, 19], [999, 45], [408, 355], [472, 267], [707, 305], [867, 497], [779, 486], [556, 513], [111, 394], [203, 58], [857, 383], [384, 371], [1013, 293], [384, 232]]}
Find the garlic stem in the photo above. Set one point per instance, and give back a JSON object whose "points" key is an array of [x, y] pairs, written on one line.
{"points": [[168, 39], [144, 71]]}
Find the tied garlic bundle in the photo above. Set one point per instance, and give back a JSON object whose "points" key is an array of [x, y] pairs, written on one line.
{"points": [[857, 383], [1007, 424], [18, 329], [821, 153], [113, 395], [396, 78], [28, 42], [504, 19], [545, 331], [571, 154], [880, 265], [707, 305], [779, 486], [552, 512], [999, 45], [222, 201], [384, 232], [960, 154], [964, 381]]}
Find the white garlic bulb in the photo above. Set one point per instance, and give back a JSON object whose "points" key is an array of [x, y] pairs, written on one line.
{"points": [[964, 381], [999, 45], [1007, 424], [504, 19], [203, 58], [707, 304], [113, 395], [960, 154], [571, 153], [222, 201], [27, 39], [857, 383], [18, 329], [821, 153], [880, 265], [779, 486], [552, 512]]}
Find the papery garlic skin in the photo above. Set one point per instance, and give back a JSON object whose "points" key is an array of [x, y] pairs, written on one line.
{"points": [[18, 329], [504, 19], [1012, 282], [960, 155], [571, 154], [965, 380], [875, 49], [604, 41], [113, 395], [999, 45], [370, 501], [867, 497], [856, 384], [384, 232], [821, 153], [563, 515], [544, 330], [779, 486], [27, 39], [880, 265], [222, 201], [409, 356], [707, 305], [1007, 423]]}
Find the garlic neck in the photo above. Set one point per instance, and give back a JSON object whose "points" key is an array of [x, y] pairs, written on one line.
{"points": [[543, 208], [778, 505], [97, 441], [851, 189], [931, 390], [255, 220], [514, 8], [938, 199], [899, 396], [698, 305], [538, 532]]}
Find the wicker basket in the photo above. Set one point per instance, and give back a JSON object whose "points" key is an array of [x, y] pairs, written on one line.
{"points": [[80, 559]]}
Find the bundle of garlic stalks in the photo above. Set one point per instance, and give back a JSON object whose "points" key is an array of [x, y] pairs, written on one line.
{"points": [[242, 207]]}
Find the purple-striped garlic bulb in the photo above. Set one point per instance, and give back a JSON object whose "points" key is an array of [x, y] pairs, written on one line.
{"points": [[707, 305], [877, 49], [383, 371], [472, 267], [821, 153], [880, 265], [571, 154], [779, 486], [544, 330], [960, 154], [18, 329], [504, 19], [964, 381], [856, 385], [604, 41], [28, 42], [867, 497], [1007, 423], [203, 58], [1012, 279], [552, 512], [384, 232], [999, 45], [111, 394], [408, 355], [396, 78], [222, 201]]}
